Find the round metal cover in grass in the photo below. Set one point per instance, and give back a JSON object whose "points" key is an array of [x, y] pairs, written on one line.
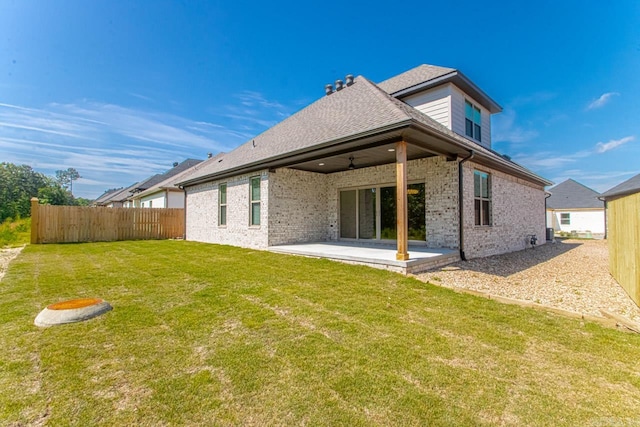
{"points": [[75, 310]]}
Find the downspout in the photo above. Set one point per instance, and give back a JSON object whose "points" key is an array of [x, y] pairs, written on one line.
{"points": [[604, 201], [546, 223], [184, 236], [461, 204]]}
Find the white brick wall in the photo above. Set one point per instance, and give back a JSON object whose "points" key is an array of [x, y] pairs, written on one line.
{"points": [[302, 206], [298, 207], [517, 211], [202, 213]]}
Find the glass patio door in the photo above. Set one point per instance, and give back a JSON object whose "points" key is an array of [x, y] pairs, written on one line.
{"points": [[370, 213]]}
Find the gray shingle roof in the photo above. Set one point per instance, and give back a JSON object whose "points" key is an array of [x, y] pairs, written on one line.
{"points": [[571, 194], [159, 178], [106, 195], [630, 186], [171, 181], [415, 76], [356, 111]]}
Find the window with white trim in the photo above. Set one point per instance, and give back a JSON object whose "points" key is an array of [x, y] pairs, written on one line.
{"points": [[222, 204], [472, 121], [482, 197], [254, 196], [565, 218]]}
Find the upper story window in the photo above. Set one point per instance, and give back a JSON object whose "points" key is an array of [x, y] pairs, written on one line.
{"points": [[254, 209], [222, 204], [482, 197], [473, 121]]}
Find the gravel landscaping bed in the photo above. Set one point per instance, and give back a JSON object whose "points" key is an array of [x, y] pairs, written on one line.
{"points": [[569, 274]]}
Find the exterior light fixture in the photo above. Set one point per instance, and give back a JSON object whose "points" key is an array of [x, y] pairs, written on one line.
{"points": [[351, 165], [391, 150], [320, 164]]}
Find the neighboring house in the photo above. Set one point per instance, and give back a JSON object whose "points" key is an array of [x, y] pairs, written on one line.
{"points": [[158, 191], [117, 199], [105, 196], [371, 163], [166, 194], [575, 208], [623, 234]]}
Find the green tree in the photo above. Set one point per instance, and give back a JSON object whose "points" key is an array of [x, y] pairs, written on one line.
{"points": [[66, 178], [19, 183]]}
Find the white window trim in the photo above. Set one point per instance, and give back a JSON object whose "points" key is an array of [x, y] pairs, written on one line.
{"points": [[221, 205], [252, 202]]}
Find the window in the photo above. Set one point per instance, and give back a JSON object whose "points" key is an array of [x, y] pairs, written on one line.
{"points": [[482, 197], [222, 204], [472, 121], [254, 189], [565, 219]]}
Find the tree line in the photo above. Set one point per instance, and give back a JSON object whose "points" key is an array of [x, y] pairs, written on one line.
{"points": [[19, 183]]}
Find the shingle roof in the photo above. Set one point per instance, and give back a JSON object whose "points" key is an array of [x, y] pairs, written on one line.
{"points": [[106, 195], [171, 181], [413, 77], [158, 178], [630, 186], [356, 111], [571, 194]]}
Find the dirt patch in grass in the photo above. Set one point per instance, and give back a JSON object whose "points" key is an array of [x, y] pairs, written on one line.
{"points": [[6, 256]]}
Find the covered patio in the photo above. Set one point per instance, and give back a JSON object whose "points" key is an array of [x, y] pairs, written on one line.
{"points": [[377, 255]]}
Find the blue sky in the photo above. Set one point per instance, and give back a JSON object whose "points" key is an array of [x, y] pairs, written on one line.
{"points": [[120, 90]]}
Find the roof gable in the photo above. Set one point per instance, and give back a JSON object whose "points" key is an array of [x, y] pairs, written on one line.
{"points": [[630, 186], [571, 194], [424, 77], [415, 76]]}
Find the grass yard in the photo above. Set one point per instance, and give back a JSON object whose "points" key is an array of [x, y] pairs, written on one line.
{"points": [[215, 335], [15, 232]]}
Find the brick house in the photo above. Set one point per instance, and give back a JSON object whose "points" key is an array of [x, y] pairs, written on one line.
{"points": [[407, 162]]}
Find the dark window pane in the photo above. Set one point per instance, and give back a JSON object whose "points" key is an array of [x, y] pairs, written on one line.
{"points": [[486, 214], [223, 215], [476, 183], [416, 208], [255, 213], [477, 133], [388, 213], [348, 214], [468, 128], [255, 188], [223, 194], [477, 209]]}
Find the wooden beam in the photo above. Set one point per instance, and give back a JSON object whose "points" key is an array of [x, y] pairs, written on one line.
{"points": [[402, 216]]}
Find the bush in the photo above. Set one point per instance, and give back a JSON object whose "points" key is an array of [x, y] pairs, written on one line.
{"points": [[15, 232]]}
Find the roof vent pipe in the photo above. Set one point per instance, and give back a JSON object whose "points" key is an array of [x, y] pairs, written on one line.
{"points": [[349, 79], [328, 89], [175, 164], [209, 155], [339, 85]]}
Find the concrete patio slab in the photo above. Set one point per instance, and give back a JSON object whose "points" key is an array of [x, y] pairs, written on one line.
{"points": [[376, 255]]}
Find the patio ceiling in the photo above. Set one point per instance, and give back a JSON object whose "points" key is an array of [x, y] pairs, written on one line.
{"points": [[378, 153]]}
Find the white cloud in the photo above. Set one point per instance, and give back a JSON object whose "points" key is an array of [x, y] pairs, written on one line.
{"points": [[602, 147], [602, 101], [505, 129]]}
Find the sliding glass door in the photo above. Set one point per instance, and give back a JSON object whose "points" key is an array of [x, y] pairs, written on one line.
{"points": [[370, 213]]}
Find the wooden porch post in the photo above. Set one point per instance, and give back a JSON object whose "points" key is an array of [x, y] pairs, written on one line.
{"points": [[402, 215]]}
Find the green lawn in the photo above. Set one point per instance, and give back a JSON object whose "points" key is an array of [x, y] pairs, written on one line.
{"points": [[215, 335]]}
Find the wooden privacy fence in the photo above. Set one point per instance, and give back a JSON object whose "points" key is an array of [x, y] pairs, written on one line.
{"points": [[72, 224], [623, 235]]}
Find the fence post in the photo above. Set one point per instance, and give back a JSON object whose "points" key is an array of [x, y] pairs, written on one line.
{"points": [[35, 219]]}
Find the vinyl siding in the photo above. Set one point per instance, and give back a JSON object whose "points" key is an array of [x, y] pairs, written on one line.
{"points": [[457, 108], [435, 103]]}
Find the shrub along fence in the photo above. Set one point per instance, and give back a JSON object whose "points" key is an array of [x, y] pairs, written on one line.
{"points": [[73, 224]]}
